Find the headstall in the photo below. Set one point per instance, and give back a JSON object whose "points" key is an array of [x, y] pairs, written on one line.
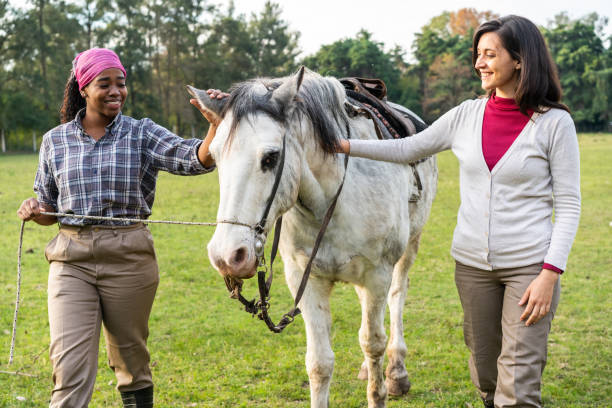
{"points": [[259, 307]]}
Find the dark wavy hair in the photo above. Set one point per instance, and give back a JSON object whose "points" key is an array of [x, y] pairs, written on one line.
{"points": [[538, 84], [73, 101]]}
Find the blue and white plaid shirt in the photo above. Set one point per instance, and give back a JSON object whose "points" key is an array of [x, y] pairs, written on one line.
{"points": [[114, 176]]}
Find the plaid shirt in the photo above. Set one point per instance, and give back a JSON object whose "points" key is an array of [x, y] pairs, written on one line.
{"points": [[114, 176]]}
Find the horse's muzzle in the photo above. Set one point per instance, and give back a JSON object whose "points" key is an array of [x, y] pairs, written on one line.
{"points": [[237, 270]]}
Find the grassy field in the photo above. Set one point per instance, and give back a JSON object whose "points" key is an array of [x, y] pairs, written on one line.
{"points": [[206, 352]]}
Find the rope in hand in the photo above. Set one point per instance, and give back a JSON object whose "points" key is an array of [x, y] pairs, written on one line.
{"points": [[88, 217], [18, 292]]}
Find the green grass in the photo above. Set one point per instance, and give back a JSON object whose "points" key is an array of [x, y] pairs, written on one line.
{"points": [[206, 352]]}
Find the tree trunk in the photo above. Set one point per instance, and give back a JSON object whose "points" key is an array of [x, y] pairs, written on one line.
{"points": [[43, 52]]}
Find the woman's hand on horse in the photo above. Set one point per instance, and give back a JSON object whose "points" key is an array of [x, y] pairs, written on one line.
{"points": [[216, 93], [343, 146], [210, 116], [538, 296], [29, 209]]}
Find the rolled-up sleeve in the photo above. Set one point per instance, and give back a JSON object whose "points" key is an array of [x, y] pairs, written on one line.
{"points": [[172, 153], [44, 183]]}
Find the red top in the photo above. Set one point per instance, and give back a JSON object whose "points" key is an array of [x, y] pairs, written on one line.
{"points": [[501, 125]]}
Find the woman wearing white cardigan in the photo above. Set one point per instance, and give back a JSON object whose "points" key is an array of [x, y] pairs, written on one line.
{"points": [[519, 162]]}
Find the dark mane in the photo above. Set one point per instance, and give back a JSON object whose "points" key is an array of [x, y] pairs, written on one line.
{"points": [[319, 100]]}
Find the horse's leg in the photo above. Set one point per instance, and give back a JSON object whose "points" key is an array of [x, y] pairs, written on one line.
{"points": [[317, 319], [397, 377], [372, 337]]}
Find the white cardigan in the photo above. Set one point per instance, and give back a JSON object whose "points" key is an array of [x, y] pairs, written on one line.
{"points": [[505, 217]]}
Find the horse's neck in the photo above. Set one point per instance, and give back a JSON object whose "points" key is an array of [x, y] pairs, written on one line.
{"points": [[321, 175], [320, 178]]}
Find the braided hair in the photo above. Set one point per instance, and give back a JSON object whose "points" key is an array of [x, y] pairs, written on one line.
{"points": [[73, 101]]}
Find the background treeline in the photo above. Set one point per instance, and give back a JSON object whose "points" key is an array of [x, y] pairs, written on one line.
{"points": [[167, 44]]}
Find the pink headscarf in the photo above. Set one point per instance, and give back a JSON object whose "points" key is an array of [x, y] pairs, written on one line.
{"points": [[89, 64]]}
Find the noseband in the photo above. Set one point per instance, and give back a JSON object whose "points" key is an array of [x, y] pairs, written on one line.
{"points": [[260, 307]]}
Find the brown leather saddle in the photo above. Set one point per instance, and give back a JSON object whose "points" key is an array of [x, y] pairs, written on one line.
{"points": [[368, 96]]}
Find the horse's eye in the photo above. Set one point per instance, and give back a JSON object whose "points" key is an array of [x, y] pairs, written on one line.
{"points": [[269, 160]]}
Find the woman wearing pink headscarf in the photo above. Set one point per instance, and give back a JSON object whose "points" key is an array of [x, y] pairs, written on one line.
{"points": [[99, 162]]}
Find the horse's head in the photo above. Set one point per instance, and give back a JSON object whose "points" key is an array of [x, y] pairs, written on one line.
{"points": [[261, 124], [248, 150]]}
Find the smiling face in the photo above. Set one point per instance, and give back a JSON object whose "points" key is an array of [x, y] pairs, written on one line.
{"points": [[498, 70], [106, 94]]}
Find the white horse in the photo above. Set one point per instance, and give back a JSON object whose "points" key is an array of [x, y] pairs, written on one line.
{"points": [[373, 236]]}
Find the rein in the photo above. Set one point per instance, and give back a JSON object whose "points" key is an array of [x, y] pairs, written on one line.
{"points": [[260, 307]]}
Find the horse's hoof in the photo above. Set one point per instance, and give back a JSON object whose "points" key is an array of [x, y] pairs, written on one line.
{"points": [[398, 386], [363, 373]]}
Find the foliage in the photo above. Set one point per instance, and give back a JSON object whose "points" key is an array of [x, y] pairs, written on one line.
{"points": [[585, 67], [276, 48], [166, 44], [207, 352], [443, 50], [449, 82], [163, 46], [359, 57]]}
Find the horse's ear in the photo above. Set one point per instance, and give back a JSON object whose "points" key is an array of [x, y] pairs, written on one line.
{"points": [[285, 94], [211, 104]]}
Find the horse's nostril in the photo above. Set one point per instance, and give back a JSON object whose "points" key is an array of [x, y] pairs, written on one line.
{"points": [[239, 256]]}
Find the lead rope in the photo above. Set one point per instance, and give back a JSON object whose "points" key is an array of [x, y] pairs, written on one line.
{"points": [[12, 352], [98, 218]]}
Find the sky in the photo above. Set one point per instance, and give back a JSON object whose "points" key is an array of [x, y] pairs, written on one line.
{"points": [[396, 21]]}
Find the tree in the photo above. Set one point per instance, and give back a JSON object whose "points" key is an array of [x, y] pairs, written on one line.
{"points": [[127, 33], [92, 15], [275, 47], [443, 50], [359, 57], [4, 34], [449, 82], [584, 68], [39, 49], [228, 51], [465, 21]]}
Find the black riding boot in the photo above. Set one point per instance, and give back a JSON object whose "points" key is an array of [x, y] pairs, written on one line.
{"points": [[488, 403], [138, 399]]}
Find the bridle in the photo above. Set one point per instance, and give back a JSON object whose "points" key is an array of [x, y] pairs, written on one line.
{"points": [[260, 307]]}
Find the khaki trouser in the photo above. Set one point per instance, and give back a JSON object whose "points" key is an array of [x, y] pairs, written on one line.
{"points": [[99, 275], [507, 358]]}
